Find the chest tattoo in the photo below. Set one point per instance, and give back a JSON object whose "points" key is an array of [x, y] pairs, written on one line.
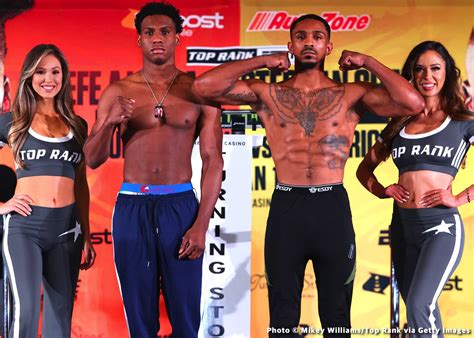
{"points": [[306, 108]]}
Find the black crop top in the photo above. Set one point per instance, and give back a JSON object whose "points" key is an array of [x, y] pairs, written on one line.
{"points": [[44, 156], [441, 150]]}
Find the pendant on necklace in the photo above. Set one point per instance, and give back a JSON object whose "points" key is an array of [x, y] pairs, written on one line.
{"points": [[158, 111]]}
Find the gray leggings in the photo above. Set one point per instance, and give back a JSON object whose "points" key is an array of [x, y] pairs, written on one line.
{"points": [[426, 246], [45, 245]]}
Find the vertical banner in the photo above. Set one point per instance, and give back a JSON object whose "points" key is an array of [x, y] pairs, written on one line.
{"points": [[225, 300]]}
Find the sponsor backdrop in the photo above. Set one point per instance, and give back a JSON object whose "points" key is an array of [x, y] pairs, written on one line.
{"points": [[387, 31], [99, 41]]}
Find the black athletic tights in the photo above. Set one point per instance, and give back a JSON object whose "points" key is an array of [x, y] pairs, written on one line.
{"points": [[309, 223]]}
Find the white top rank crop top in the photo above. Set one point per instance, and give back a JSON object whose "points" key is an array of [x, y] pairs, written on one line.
{"points": [[441, 150], [44, 156]]}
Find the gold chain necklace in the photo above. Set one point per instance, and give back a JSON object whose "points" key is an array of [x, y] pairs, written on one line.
{"points": [[158, 111]]}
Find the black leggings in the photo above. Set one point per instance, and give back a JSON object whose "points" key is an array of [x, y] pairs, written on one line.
{"points": [[309, 223], [426, 247], [45, 245]]}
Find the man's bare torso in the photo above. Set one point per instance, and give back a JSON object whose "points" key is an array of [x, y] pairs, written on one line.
{"points": [[158, 151], [310, 132]]}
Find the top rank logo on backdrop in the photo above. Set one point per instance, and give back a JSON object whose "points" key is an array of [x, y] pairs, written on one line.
{"points": [[214, 56], [264, 21]]}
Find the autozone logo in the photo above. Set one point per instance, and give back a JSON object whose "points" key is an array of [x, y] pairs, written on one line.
{"points": [[203, 21], [282, 20]]}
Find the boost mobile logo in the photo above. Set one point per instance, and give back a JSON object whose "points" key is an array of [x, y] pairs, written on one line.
{"points": [[192, 21], [281, 20], [203, 21]]}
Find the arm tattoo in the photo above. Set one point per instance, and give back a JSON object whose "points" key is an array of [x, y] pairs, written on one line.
{"points": [[295, 106], [241, 97], [231, 86], [336, 147]]}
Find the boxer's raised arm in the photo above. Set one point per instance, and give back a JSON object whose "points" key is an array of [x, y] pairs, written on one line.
{"points": [[113, 109], [395, 98], [222, 83]]}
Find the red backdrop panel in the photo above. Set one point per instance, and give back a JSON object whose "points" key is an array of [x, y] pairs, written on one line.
{"points": [[99, 41]]}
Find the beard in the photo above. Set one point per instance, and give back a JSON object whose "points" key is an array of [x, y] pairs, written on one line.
{"points": [[303, 65]]}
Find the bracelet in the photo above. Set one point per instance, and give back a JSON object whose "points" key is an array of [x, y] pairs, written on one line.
{"points": [[468, 197]]}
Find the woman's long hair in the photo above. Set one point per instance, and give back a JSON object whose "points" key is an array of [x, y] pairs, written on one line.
{"points": [[24, 105], [451, 97]]}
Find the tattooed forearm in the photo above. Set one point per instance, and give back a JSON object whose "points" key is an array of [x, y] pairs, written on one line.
{"points": [[306, 108], [238, 97], [336, 148], [230, 87]]}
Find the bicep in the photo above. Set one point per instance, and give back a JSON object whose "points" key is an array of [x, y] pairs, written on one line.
{"points": [[241, 92], [378, 100]]}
